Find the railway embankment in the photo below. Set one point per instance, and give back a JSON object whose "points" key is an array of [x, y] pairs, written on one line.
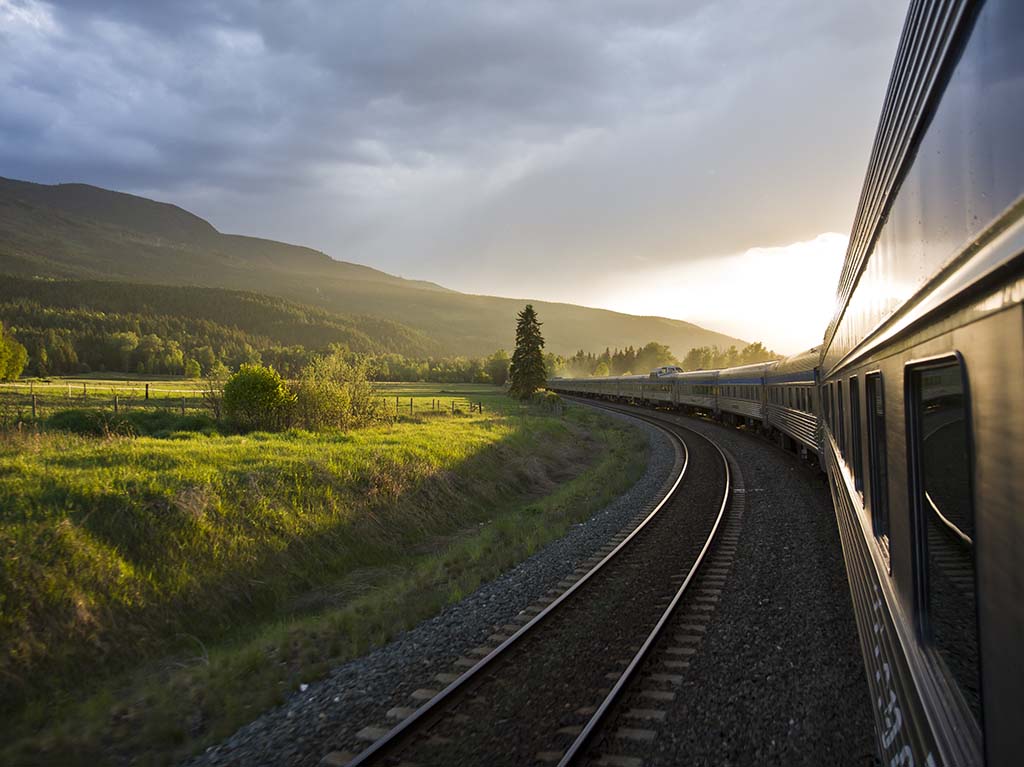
{"points": [[757, 664], [340, 712]]}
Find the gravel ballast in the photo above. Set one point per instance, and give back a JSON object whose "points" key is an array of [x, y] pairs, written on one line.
{"points": [[779, 678], [534, 697], [326, 715]]}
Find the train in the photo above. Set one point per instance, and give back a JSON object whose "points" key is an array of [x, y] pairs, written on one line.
{"points": [[913, 403]]}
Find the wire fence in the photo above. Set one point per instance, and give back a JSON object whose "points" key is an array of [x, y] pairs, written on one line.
{"points": [[37, 401]]}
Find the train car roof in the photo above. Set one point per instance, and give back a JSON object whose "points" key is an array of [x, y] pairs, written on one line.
{"points": [[747, 373], [692, 376], [799, 367]]}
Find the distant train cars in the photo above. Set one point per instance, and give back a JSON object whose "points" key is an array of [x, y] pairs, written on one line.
{"points": [[666, 370], [914, 403]]}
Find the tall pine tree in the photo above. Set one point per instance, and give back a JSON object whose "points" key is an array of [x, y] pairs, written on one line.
{"points": [[527, 373]]}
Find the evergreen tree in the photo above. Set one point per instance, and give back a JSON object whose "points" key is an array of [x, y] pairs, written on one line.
{"points": [[527, 373]]}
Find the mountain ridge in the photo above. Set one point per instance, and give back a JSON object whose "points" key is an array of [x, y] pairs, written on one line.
{"points": [[80, 231]]}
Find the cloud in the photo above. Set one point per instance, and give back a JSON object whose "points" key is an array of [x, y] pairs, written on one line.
{"points": [[482, 144]]}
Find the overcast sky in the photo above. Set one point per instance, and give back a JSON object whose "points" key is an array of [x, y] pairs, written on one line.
{"points": [[655, 156]]}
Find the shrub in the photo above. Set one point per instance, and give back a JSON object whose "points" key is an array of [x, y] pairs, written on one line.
{"points": [[548, 400], [334, 393], [13, 356], [256, 398], [213, 388]]}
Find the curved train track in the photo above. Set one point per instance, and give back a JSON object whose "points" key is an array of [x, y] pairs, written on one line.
{"points": [[546, 691]]}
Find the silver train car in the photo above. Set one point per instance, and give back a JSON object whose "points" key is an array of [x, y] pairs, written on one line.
{"points": [[914, 403]]}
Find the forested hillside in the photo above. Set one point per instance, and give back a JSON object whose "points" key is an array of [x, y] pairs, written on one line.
{"points": [[74, 231], [72, 326]]}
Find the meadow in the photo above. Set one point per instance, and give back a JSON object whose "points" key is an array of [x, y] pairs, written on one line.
{"points": [[162, 586]]}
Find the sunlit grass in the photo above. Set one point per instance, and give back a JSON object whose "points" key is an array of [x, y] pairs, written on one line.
{"points": [[154, 578]]}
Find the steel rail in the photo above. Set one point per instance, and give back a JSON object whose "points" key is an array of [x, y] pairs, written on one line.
{"points": [[576, 750], [404, 728]]}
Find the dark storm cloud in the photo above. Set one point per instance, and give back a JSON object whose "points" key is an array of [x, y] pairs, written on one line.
{"points": [[427, 135]]}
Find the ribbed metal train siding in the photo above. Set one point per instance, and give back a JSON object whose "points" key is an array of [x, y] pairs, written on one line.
{"points": [[901, 724], [742, 407], [705, 401], [801, 426]]}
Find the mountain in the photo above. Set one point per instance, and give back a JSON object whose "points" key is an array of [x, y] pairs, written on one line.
{"points": [[81, 232]]}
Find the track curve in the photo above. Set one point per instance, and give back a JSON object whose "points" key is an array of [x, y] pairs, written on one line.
{"points": [[541, 693]]}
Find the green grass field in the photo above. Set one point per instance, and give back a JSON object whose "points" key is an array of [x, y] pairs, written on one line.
{"points": [[135, 392], [159, 591]]}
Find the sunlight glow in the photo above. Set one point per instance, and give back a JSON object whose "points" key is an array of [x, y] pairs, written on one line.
{"points": [[783, 296]]}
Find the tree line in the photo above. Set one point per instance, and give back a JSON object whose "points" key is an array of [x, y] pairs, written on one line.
{"points": [[630, 361]]}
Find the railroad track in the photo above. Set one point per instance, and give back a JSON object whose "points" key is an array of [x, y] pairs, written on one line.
{"points": [[544, 691]]}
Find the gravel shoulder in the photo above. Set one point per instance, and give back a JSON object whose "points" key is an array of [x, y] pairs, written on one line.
{"points": [[326, 715], [779, 679]]}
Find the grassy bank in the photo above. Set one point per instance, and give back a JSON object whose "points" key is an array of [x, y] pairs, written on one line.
{"points": [[164, 590]]}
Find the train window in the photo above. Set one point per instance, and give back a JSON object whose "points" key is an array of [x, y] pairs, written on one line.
{"points": [[944, 522], [826, 402], [840, 426], [855, 444], [878, 470]]}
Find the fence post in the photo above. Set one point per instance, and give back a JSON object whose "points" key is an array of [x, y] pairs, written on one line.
{"points": [[115, 403], [147, 391], [85, 393], [453, 407], [183, 406], [410, 405], [33, 407], [396, 404], [480, 405]]}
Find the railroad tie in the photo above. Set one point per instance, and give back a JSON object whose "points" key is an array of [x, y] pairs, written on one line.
{"points": [[646, 714], [615, 760], [637, 734], [670, 679], [337, 759], [370, 733]]}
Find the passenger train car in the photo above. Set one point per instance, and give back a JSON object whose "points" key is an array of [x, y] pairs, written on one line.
{"points": [[914, 403]]}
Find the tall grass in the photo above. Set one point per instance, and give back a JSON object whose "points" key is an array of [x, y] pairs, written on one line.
{"points": [[170, 569]]}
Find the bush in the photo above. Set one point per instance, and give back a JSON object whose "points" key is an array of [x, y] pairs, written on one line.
{"points": [[548, 400], [13, 356], [333, 393], [256, 398]]}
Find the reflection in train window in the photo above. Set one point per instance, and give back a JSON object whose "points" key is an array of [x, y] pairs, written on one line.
{"points": [[878, 470], [826, 403], [841, 427], [944, 515], [855, 445]]}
